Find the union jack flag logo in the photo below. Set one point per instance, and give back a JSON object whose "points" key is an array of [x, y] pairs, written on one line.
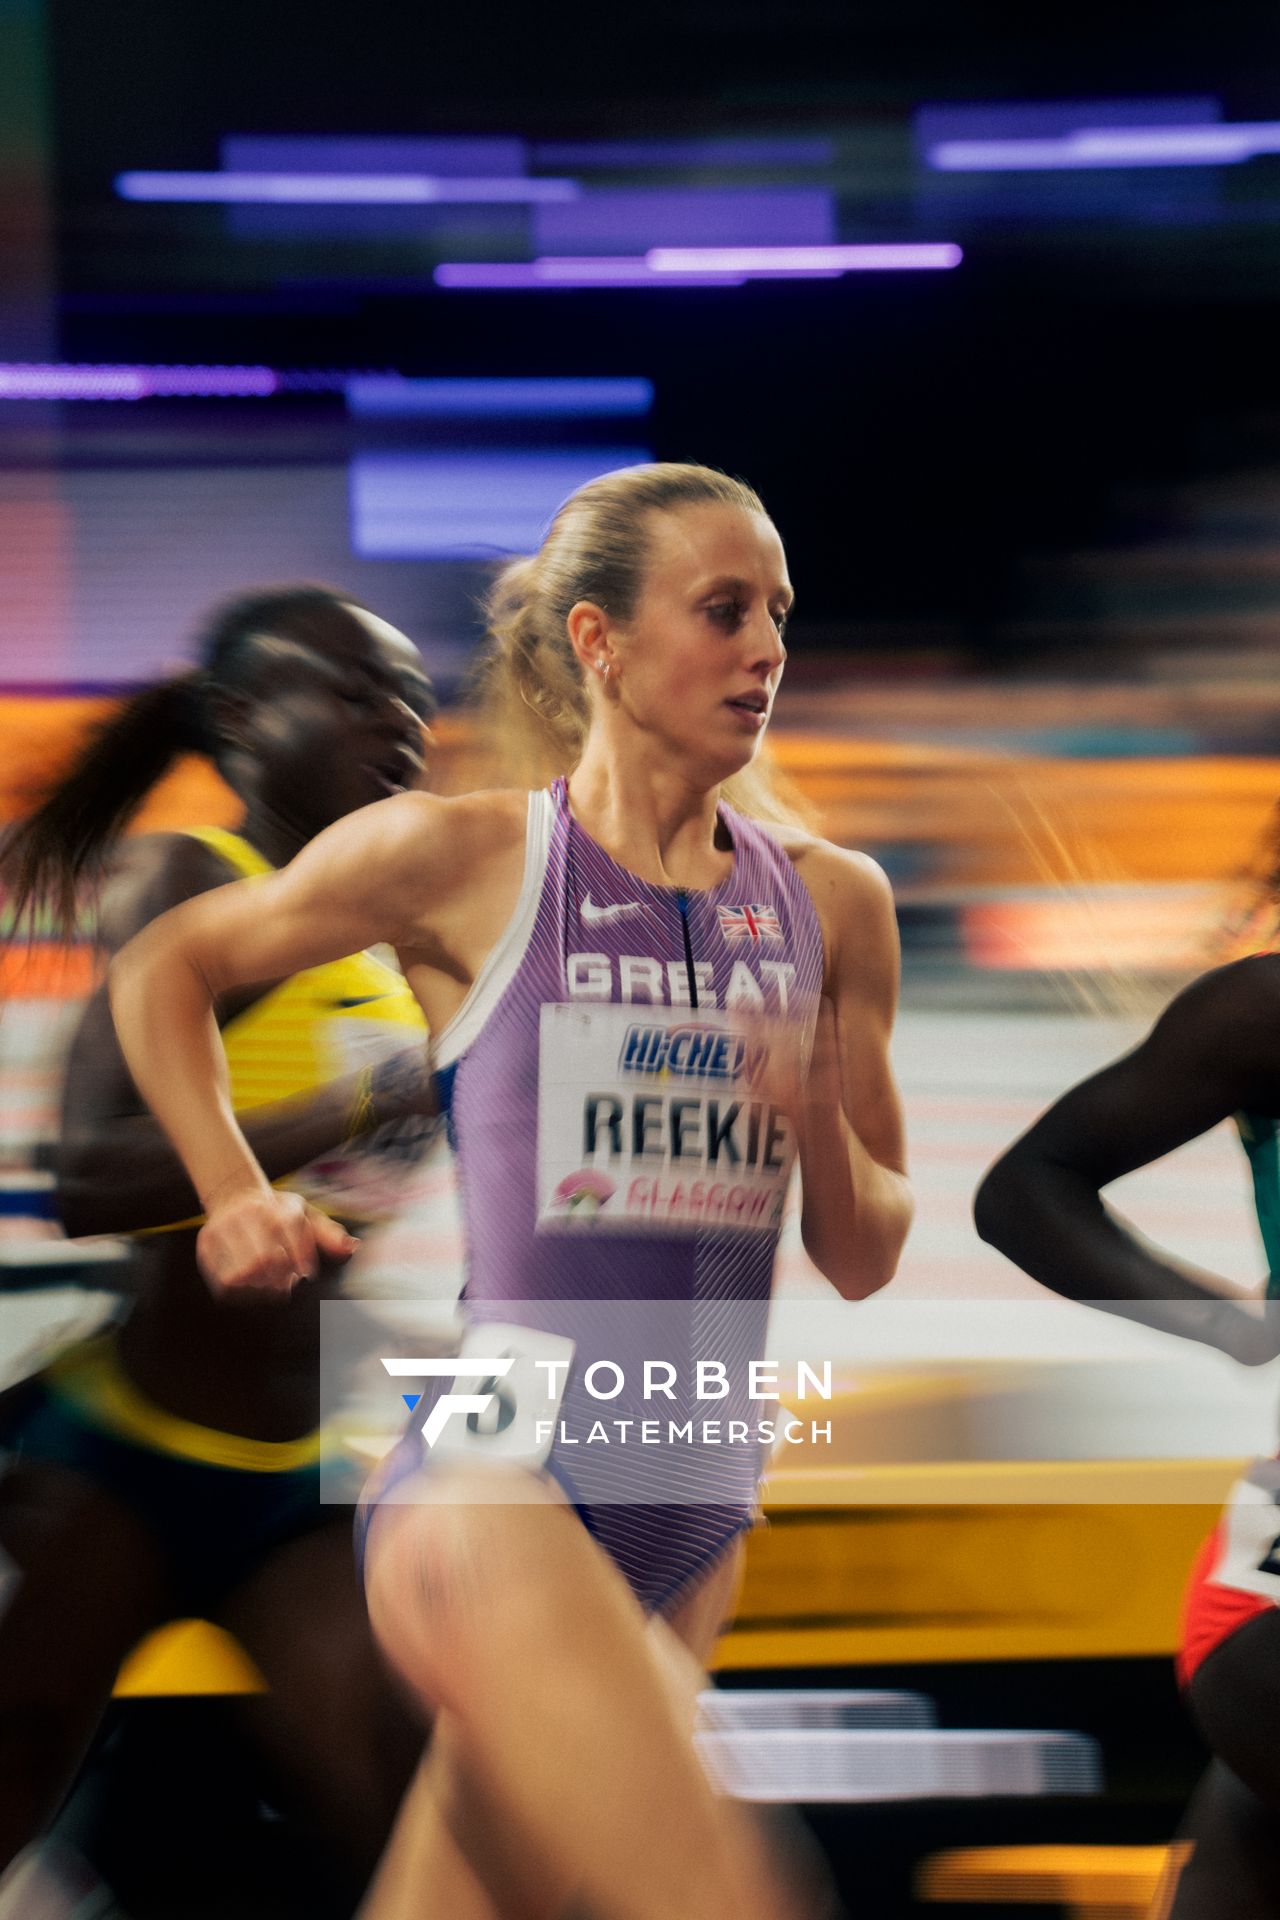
{"points": [[749, 923]]}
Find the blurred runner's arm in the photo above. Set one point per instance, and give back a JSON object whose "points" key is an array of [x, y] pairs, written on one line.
{"points": [[1213, 1053]]}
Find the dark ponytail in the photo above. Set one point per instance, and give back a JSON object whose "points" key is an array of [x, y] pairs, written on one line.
{"points": [[47, 857]]}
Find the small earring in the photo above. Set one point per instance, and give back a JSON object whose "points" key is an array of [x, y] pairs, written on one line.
{"points": [[602, 666]]}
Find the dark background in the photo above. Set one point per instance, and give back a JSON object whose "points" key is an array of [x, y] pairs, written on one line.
{"points": [[916, 436]]}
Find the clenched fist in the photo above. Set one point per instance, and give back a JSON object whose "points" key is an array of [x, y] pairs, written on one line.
{"points": [[258, 1239]]}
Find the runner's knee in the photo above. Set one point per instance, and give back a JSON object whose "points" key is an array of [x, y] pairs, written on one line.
{"points": [[459, 1590]]}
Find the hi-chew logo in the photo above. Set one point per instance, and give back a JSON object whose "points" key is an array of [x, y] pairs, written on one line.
{"points": [[472, 1367], [692, 1051]]}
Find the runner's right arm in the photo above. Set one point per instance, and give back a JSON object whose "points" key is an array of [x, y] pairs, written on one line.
{"points": [[116, 1170], [365, 880]]}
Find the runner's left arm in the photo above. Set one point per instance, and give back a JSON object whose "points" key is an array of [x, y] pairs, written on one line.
{"points": [[857, 1203], [1214, 1052]]}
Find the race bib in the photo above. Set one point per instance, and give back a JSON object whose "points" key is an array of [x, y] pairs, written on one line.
{"points": [[1251, 1553], [503, 1413], [648, 1121]]}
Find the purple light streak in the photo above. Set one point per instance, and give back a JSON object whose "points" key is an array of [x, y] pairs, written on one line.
{"points": [[341, 189], [616, 222], [59, 382], [765, 262], [431, 505], [393, 395], [602, 271], [1041, 119], [448, 156], [523, 276], [1173, 146], [698, 266]]}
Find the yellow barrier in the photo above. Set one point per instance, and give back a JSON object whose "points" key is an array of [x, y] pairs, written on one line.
{"points": [[1016, 1560], [888, 1565], [1093, 1883]]}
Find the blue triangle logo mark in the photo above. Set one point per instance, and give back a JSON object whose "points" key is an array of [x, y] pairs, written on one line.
{"points": [[411, 1400]]}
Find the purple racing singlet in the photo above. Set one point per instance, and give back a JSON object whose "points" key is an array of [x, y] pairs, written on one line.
{"points": [[611, 1145]]}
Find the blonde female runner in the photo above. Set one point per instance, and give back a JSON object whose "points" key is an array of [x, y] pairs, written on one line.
{"points": [[553, 1639]]}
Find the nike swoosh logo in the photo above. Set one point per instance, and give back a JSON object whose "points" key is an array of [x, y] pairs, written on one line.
{"points": [[591, 913], [359, 1000]]}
